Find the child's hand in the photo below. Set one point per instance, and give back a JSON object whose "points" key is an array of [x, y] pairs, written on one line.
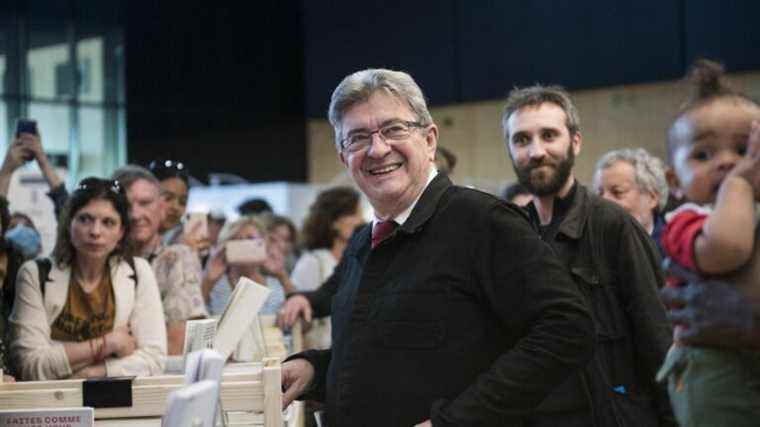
{"points": [[749, 166]]}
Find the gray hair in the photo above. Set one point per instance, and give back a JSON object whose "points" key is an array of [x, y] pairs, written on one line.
{"points": [[359, 86], [127, 175], [649, 171], [534, 96]]}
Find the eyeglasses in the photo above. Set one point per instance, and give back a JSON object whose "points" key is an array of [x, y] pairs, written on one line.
{"points": [[94, 184], [394, 132]]}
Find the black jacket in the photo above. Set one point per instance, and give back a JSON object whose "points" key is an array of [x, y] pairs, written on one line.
{"points": [[617, 266], [463, 316]]}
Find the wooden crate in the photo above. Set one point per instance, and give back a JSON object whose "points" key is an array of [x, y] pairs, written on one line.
{"points": [[274, 339], [249, 387]]}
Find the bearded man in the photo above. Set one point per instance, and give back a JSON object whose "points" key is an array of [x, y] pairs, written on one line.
{"points": [[612, 260]]}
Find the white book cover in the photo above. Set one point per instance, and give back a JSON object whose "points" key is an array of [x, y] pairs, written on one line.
{"points": [[199, 334], [241, 311], [252, 347], [52, 417]]}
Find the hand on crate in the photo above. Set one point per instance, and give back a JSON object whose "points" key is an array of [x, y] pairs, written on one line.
{"points": [[295, 306], [296, 376]]}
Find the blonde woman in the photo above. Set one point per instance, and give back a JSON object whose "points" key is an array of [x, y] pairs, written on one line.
{"points": [[220, 276]]}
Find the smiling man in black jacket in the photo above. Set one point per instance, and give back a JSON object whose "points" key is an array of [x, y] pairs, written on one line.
{"points": [[449, 309]]}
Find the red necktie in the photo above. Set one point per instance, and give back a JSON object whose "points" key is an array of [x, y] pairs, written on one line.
{"points": [[381, 231]]}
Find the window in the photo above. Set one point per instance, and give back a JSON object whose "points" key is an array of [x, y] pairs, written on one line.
{"points": [[61, 64]]}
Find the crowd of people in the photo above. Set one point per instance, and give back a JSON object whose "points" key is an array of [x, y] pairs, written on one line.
{"points": [[127, 271], [629, 302]]}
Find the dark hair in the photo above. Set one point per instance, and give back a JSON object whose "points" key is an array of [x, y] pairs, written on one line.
{"points": [[254, 206], [318, 230], [707, 83], [5, 214], [513, 190], [165, 169], [535, 96], [25, 218], [90, 189]]}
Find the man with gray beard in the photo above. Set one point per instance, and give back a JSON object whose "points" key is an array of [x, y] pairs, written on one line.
{"points": [[612, 260]]}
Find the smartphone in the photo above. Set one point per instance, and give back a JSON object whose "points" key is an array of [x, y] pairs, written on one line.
{"points": [[26, 126], [196, 226], [246, 251]]}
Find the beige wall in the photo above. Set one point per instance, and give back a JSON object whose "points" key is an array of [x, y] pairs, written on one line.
{"points": [[615, 117]]}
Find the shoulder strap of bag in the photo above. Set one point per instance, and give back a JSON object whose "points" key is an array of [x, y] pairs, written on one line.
{"points": [[44, 265]]}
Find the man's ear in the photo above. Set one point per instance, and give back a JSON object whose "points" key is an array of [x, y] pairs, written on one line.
{"points": [[576, 141], [432, 141], [673, 182], [654, 200]]}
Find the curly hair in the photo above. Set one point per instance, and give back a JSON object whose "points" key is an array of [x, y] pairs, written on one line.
{"points": [[90, 189], [707, 82], [330, 205]]}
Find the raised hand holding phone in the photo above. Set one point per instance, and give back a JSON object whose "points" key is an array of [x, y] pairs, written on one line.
{"points": [[26, 126], [195, 232], [27, 138], [196, 226], [246, 251], [15, 157]]}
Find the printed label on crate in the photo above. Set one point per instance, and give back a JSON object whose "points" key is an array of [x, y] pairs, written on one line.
{"points": [[57, 417]]}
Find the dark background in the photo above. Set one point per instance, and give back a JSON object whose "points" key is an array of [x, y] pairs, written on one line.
{"points": [[231, 87]]}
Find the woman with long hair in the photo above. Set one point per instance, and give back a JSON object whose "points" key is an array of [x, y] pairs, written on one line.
{"points": [[331, 221]]}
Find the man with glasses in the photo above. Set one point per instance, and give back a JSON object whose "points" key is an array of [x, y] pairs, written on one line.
{"points": [[449, 309], [177, 268]]}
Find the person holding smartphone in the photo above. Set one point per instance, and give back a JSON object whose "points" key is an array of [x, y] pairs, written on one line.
{"points": [[175, 186], [242, 251], [25, 147]]}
